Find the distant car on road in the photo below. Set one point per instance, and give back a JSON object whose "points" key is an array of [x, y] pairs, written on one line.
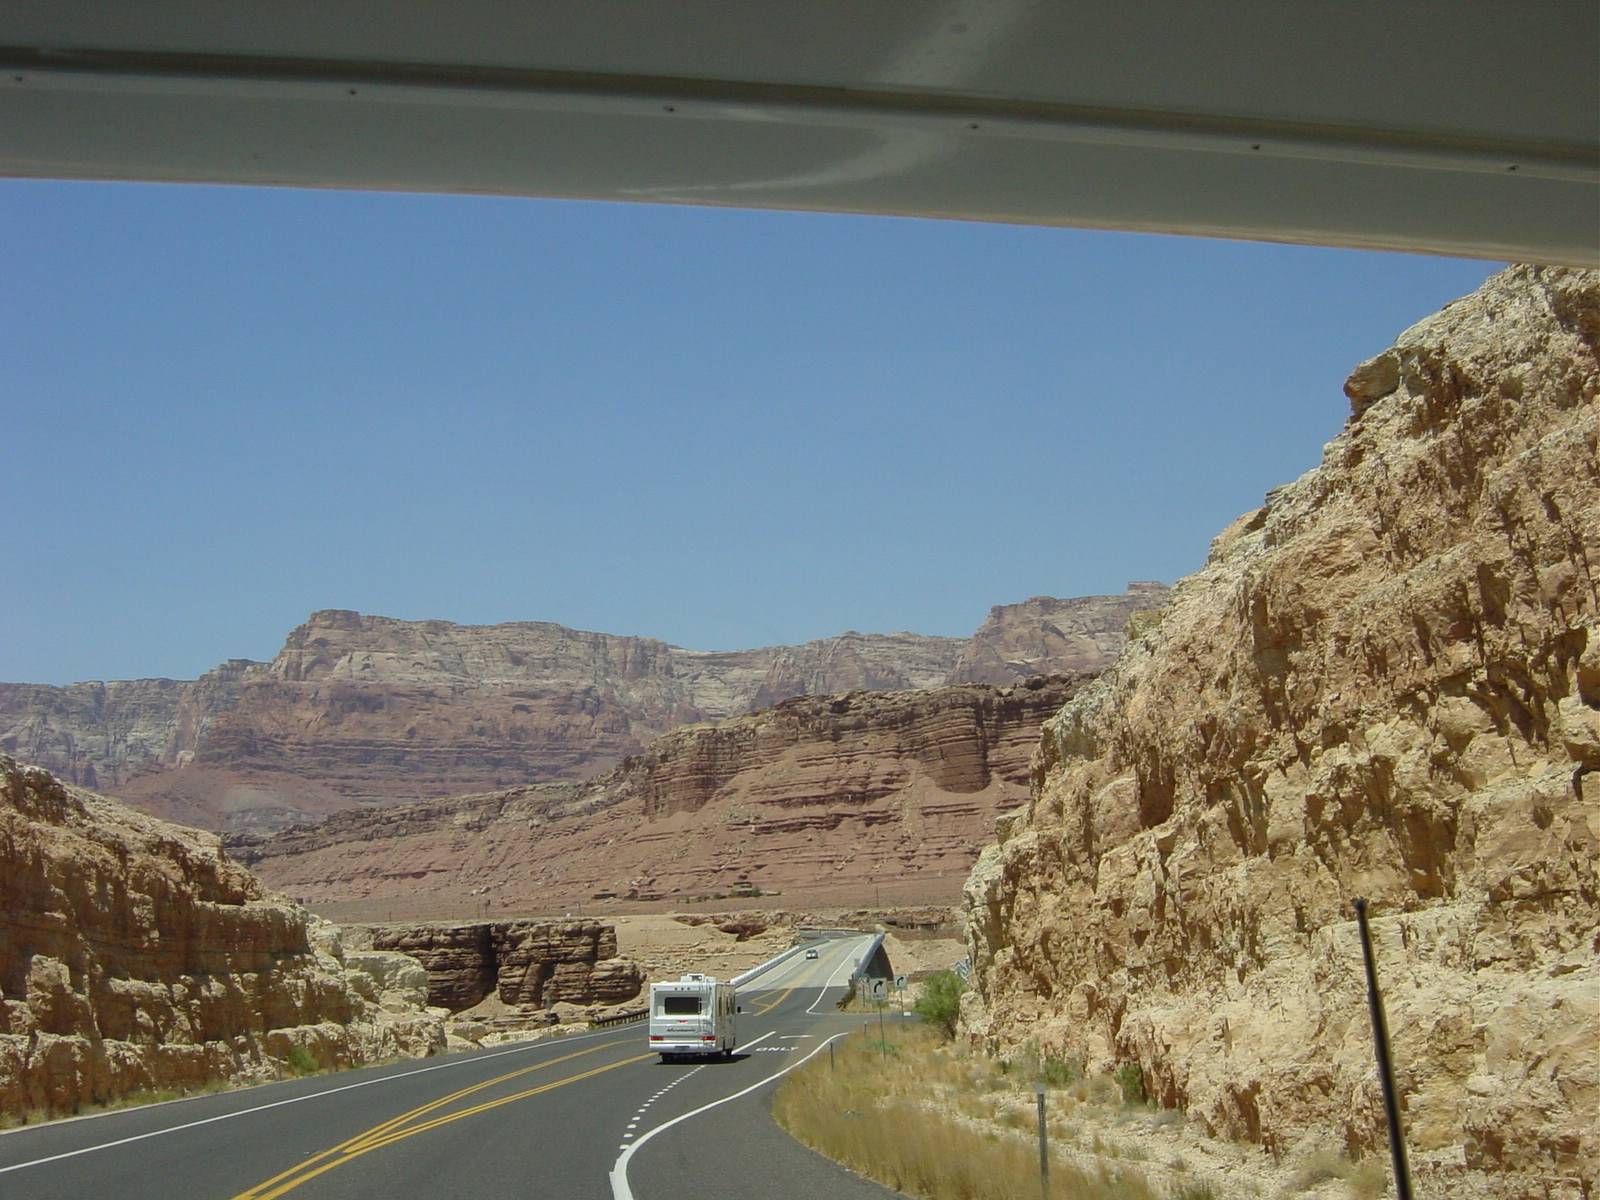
{"points": [[811, 953]]}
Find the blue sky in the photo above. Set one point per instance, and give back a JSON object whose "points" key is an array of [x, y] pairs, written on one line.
{"points": [[227, 407]]}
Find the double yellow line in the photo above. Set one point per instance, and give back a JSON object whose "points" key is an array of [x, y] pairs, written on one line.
{"points": [[782, 996], [409, 1124]]}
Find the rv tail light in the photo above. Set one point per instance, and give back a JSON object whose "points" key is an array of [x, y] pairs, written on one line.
{"points": [[655, 1038], [708, 1037]]}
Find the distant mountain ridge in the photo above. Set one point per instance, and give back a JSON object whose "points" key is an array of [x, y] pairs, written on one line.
{"points": [[358, 709]]}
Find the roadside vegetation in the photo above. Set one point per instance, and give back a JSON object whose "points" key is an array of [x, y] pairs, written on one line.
{"points": [[297, 1063], [939, 1003], [925, 1116], [921, 1117], [17, 1118]]}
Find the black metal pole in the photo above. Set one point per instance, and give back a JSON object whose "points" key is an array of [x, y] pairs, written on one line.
{"points": [[1380, 1035], [1044, 1144]]}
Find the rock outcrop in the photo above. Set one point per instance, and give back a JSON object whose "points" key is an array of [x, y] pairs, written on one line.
{"points": [[135, 956], [817, 797], [1045, 636], [361, 710], [1384, 683], [533, 963], [102, 735]]}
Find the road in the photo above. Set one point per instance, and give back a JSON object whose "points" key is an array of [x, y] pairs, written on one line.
{"points": [[592, 1115]]}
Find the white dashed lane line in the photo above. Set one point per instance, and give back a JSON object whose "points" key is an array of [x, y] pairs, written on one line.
{"points": [[619, 1170], [645, 1107]]}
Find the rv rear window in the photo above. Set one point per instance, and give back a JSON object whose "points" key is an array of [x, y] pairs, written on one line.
{"points": [[680, 1006]]}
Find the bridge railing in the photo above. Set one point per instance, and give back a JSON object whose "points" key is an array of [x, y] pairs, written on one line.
{"points": [[621, 1018]]}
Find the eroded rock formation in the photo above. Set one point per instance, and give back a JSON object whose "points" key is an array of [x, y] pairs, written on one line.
{"points": [[814, 796], [134, 956], [1384, 683], [535, 963], [101, 735], [1045, 635], [367, 710]]}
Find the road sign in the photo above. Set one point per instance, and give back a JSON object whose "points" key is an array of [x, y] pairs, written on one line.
{"points": [[900, 983], [880, 988]]}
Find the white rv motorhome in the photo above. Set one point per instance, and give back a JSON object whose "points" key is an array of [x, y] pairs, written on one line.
{"points": [[693, 1016]]}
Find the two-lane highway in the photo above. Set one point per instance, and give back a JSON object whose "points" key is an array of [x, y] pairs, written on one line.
{"points": [[592, 1115]]}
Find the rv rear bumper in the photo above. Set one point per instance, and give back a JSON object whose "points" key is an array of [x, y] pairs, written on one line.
{"points": [[696, 1045]]}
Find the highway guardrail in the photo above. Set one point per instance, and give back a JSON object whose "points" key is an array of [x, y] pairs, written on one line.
{"points": [[621, 1018]]}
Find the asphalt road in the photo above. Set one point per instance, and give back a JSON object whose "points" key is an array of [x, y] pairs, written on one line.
{"points": [[593, 1116]]}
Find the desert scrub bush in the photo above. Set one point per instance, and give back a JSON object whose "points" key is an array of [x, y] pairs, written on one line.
{"points": [[300, 1061], [849, 997], [1369, 1181], [1061, 1072], [939, 1005], [1131, 1080], [875, 1118], [15, 1118], [1364, 1180]]}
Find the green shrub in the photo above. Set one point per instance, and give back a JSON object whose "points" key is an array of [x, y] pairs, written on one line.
{"points": [[1060, 1072], [300, 1060], [1131, 1080], [939, 1005]]}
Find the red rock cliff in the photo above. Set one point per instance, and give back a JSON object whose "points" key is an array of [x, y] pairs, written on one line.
{"points": [[359, 709], [815, 795]]}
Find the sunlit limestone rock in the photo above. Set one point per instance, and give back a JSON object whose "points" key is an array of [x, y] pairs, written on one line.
{"points": [[134, 956], [1384, 683]]}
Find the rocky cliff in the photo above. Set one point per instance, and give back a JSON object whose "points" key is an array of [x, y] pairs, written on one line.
{"points": [[101, 735], [1384, 683], [536, 963], [367, 710], [817, 797], [134, 956], [1045, 635]]}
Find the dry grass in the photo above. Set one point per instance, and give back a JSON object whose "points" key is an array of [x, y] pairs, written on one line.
{"points": [[17, 1118], [874, 1115], [1366, 1179]]}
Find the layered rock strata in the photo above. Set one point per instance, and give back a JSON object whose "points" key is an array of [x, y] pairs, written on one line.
{"points": [[134, 956], [102, 735], [813, 796], [533, 963], [361, 710], [1384, 683], [1045, 635]]}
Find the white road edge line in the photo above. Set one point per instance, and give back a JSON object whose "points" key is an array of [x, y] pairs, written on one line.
{"points": [[847, 961], [543, 1044], [619, 1170]]}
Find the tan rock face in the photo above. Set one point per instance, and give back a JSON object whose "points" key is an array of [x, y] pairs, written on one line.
{"points": [[536, 963], [133, 956], [814, 794], [1046, 636], [1383, 684]]}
